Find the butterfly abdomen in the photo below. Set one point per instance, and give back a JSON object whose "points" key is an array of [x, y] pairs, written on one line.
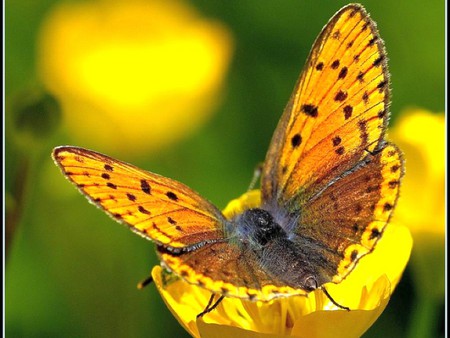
{"points": [[289, 264]]}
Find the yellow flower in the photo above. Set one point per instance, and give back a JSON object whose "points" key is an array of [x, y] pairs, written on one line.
{"points": [[366, 291], [421, 136], [132, 76]]}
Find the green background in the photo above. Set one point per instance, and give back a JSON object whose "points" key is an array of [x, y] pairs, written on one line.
{"points": [[72, 272]]}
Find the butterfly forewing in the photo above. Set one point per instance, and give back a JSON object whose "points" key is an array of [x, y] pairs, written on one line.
{"points": [[336, 115], [329, 175], [156, 207]]}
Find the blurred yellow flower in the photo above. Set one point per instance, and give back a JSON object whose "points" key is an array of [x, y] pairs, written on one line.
{"points": [[421, 136], [132, 75], [366, 291]]}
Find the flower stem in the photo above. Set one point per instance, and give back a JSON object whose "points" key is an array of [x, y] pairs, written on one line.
{"points": [[423, 318]]}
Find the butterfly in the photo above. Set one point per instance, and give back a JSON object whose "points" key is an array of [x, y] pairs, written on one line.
{"points": [[329, 183]]}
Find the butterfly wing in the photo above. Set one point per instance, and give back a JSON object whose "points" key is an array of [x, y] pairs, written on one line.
{"points": [[329, 177], [351, 214], [163, 210], [228, 270], [336, 115], [189, 230]]}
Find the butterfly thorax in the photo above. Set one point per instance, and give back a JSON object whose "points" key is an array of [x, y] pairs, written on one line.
{"points": [[256, 230]]}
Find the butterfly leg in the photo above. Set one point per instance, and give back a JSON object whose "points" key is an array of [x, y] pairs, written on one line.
{"points": [[256, 175], [145, 282], [332, 300], [210, 305]]}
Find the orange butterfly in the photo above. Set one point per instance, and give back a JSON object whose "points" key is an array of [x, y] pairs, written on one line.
{"points": [[329, 183]]}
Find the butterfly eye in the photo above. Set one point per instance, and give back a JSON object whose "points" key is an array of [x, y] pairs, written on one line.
{"points": [[263, 222]]}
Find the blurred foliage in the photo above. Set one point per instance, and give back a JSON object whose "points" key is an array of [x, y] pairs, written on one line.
{"points": [[71, 271], [36, 116]]}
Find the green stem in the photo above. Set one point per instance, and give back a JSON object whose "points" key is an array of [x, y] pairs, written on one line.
{"points": [[423, 318]]}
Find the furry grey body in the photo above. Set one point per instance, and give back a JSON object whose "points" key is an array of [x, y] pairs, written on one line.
{"points": [[281, 256]]}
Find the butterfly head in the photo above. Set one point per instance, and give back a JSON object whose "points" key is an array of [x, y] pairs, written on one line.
{"points": [[257, 227]]}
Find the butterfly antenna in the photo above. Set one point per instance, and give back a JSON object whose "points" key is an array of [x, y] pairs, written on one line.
{"points": [[333, 301], [145, 282], [256, 175], [210, 307]]}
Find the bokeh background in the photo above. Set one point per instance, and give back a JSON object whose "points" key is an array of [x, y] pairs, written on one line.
{"points": [[191, 90]]}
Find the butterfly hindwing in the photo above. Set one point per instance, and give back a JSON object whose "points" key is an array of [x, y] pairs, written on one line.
{"points": [[228, 270], [161, 209], [350, 215]]}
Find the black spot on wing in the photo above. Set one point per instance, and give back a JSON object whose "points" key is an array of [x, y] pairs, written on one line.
{"points": [[382, 85], [172, 196], [395, 168], [378, 61], [375, 233], [343, 73], [310, 110], [360, 77], [372, 41], [145, 187], [296, 140], [335, 64], [340, 151], [143, 210], [348, 110], [365, 98], [340, 96], [336, 141]]}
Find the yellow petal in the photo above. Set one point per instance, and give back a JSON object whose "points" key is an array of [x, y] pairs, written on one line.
{"points": [[366, 291]]}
